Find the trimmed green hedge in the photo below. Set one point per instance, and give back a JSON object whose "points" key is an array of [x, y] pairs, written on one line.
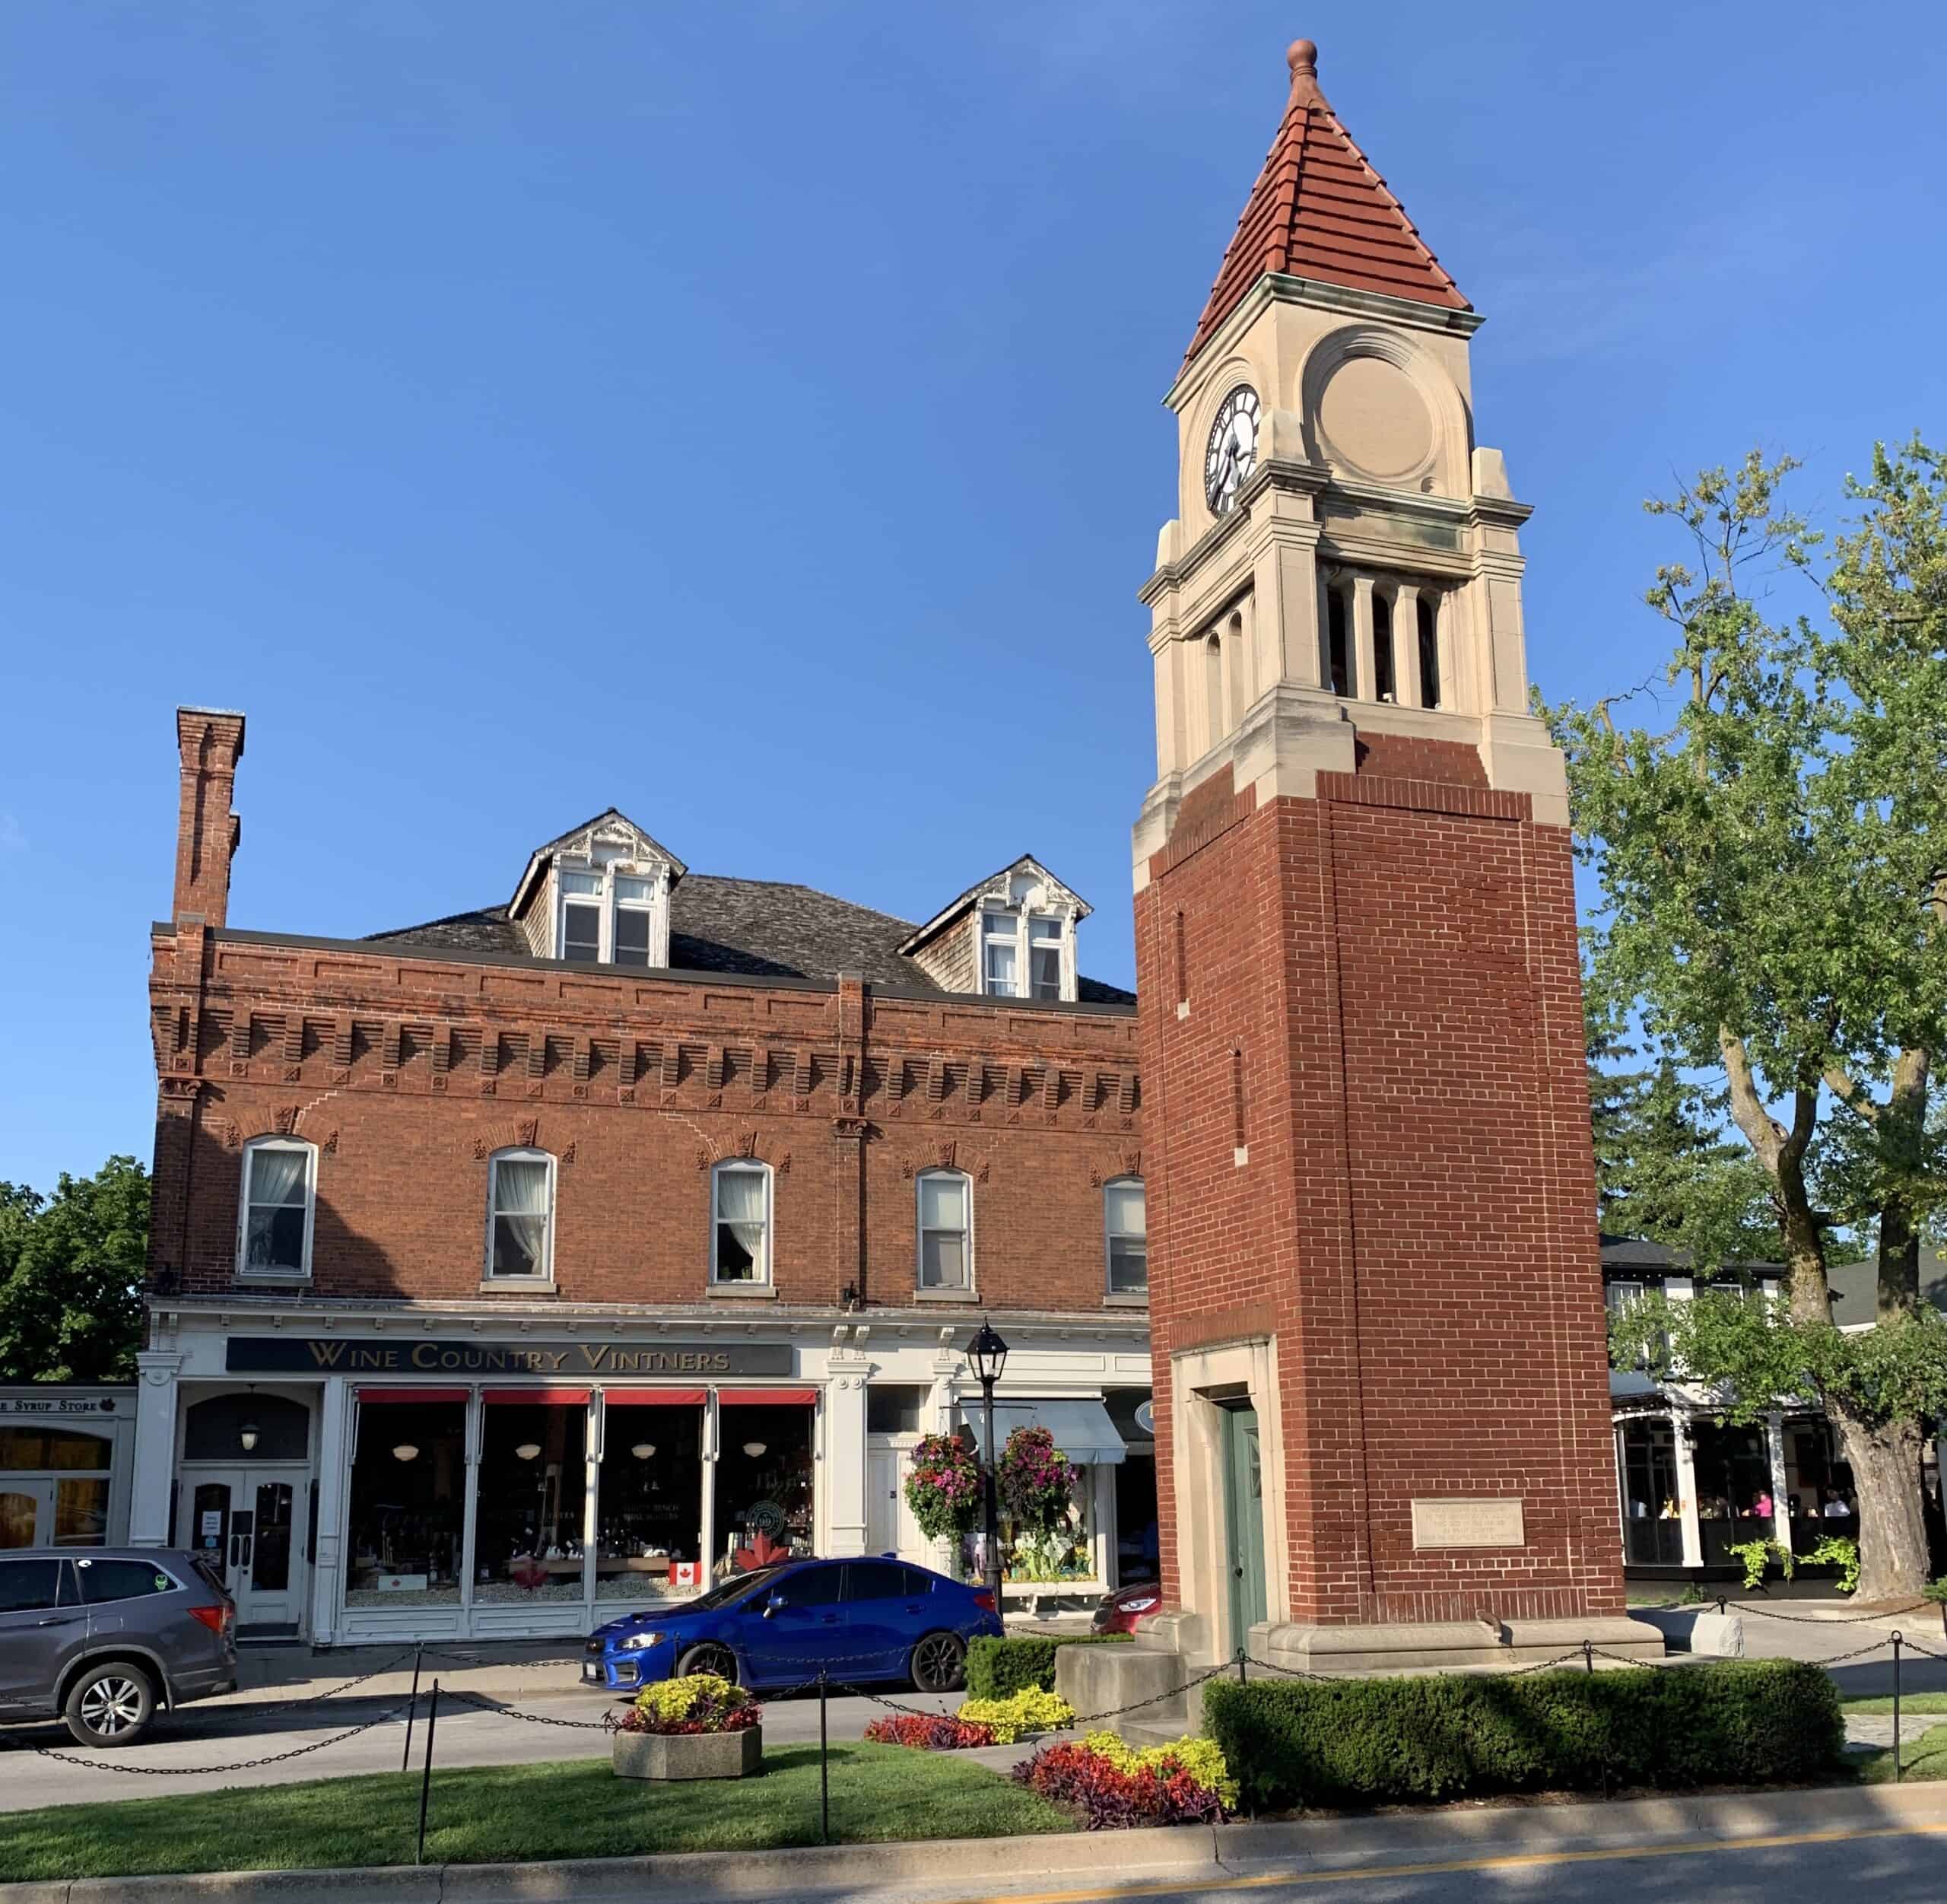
{"points": [[997, 1669], [1382, 1741]]}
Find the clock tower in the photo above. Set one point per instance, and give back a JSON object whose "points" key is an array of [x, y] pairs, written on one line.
{"points": [[1381, 1375]]}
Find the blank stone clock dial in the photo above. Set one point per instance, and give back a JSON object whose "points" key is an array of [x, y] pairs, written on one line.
{"points": [[1232, 455]]}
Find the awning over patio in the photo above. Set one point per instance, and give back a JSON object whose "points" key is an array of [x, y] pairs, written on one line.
{"points": [[1081, 1430]]}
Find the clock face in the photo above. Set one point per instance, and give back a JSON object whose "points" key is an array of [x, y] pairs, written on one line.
{"points": [[1233, 452]]}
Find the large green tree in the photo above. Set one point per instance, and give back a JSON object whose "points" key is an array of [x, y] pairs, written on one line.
{"points": [[71, 1276], [1771, 851]]}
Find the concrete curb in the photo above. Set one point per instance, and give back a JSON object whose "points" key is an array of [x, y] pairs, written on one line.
{"points": [[859, 1870]]}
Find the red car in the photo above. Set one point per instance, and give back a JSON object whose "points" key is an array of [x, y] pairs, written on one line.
{"points": [[1121, 1609]]}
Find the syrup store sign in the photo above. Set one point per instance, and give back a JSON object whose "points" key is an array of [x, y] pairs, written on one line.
{"points": [[377, 1356]]}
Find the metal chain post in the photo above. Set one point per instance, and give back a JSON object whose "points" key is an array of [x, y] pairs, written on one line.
{"points": [[426, 1777], [824, 1767], [1243, 1653], [1899, 1640], [412, 1706]]}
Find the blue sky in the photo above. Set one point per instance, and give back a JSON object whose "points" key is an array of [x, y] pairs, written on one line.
{"points": [[747, 415]]}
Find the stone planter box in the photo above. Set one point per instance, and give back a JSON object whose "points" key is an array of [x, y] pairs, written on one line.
{"points": [[689, 1755]]}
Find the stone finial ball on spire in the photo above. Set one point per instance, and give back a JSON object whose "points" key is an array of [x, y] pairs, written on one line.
{"points": [[1302, 57]]}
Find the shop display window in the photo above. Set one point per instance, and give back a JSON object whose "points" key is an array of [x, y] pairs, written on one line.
{"points": [[408, 1494], [764, 1484], [47, 1496], [650, 1507], [528, 1540]]}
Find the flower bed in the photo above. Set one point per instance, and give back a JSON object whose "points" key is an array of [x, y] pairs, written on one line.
{"points": [[934, 1732], [1115, 1786], [978, 1722], [700, 1702], [1030, 1710]]}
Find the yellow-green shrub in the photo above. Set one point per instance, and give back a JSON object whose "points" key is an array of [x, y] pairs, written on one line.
{"points": [[1030, 1710], [1203, 1759]]}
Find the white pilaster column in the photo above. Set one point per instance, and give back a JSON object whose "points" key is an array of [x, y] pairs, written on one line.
{"points": [[475, 1427], [158, 1376], [1364, 678], [1686, 1488], [335, 1423], [707, 1534], [591, 1499], [1774, 1447], [1406, 644], [844, 1463]]}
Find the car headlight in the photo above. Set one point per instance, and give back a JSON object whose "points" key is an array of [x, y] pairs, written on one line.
{"points": [[635, 1642]]}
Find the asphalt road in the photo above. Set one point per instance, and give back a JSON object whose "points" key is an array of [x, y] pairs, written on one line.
{"points": [[220, 1734]]}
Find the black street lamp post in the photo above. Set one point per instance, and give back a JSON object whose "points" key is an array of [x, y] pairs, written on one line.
{"points": [[988, 1354]]}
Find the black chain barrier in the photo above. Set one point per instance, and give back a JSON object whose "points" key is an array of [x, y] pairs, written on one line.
{"points": [[205, 1771]]}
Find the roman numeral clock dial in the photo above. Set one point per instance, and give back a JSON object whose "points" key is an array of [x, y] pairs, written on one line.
{"points": [[1232, 455]]}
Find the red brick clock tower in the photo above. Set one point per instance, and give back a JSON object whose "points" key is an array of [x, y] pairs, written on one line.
{"points": [[1381, 1414]]}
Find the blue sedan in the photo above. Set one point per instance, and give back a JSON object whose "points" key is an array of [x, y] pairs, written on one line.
{"points": [[777, 1626]]}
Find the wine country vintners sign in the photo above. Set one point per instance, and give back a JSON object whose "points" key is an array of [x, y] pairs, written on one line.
{"points": [[383, 1356]]}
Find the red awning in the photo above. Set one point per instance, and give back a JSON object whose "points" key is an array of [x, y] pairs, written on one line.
{"points": [[412, 1394], [542, 1398], [652, 1398], [766, 1397]]}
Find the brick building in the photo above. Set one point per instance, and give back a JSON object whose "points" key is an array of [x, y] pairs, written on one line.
{"points": [[1381, 1405], [547, 1256]]}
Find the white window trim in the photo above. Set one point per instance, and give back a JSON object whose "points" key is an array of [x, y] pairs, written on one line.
{"points": [[607, 904], [1024, 913], [250, 1150], [762, 1280], [1132, 1297], [517, 1154], [962, 1292]]}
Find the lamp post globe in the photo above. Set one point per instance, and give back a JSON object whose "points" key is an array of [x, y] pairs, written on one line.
{"points": [[988, 1354]]}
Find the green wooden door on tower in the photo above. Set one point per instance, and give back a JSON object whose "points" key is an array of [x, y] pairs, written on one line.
{"points": [[1244, 1516]]}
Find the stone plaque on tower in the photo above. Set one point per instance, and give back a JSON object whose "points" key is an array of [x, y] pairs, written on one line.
{"points": [[1381, 1373]]}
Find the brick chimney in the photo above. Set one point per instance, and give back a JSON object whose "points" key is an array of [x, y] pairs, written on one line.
{"points": [[210, 740]]}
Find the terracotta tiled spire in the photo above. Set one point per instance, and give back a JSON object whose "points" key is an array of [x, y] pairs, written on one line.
{"points": [[1319, 210]]}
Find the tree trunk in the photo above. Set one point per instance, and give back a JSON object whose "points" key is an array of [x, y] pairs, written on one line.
{"points": [[1891, 1529]]}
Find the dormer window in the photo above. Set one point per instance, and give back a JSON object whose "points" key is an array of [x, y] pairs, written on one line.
{"points": [[1000, 931], [1044, 955], [1011, 936], [607, 916]]}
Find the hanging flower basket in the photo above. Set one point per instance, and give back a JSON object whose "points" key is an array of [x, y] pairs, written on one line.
{"points": [[943, 1489], [1037, 1481]]}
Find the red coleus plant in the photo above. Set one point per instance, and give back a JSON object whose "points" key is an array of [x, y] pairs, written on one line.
{"points": [[1110, 1798], [940, 1732]]}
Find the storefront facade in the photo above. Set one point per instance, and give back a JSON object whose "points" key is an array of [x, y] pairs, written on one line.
{"points": [[65, 1464], [435, 1476]]}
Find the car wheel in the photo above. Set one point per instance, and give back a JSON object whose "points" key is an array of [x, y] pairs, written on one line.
{"points": [[110, 1705], [709, 1658], [940, 1663]]}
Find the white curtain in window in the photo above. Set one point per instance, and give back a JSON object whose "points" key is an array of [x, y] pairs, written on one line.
{"points": [[277, 1176], [740, 1209], [274, 1238], [520, 1205], [943, 1202]]}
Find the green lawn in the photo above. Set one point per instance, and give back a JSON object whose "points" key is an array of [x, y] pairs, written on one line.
{"points": [[1923, 1757], [1912, 1702], [495, 1814]]}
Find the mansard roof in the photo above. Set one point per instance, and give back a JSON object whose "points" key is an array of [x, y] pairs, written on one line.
{"points": [[759, 928], [1319, 210]]}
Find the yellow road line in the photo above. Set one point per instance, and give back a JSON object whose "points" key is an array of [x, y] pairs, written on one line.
{"points": [[1509, 1860]]}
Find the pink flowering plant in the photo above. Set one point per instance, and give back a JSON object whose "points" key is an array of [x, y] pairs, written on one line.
{"points": [[943, 1489], [1037, 1481]]}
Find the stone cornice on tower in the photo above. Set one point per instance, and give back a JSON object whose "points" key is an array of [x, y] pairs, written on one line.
{"points": [[1320, 211]]}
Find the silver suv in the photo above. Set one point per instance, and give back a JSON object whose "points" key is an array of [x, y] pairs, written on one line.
{"points": [[103, 1636]]}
